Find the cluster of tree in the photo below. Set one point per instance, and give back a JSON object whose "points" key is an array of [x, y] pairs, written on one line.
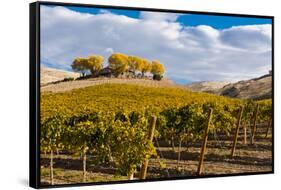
{"points": [[94, 63], [120, 64]]}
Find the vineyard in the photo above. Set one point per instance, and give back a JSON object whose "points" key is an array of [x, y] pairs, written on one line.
{"points": [[113, 132]]}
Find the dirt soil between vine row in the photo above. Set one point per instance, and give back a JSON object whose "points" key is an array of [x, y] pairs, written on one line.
{"points": [[248, 158]]}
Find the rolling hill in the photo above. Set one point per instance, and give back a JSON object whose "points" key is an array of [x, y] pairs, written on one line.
{"points": [[205, 86], [256, 89], [49, 75]]}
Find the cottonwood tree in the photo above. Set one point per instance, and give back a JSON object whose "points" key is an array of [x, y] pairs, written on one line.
{"points": [[119, 63], [135, 64], [95, 63], [157, 69], [80, 65], [146, 67]]}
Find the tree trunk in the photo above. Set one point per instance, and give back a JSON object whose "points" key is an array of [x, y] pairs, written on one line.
{"points": [[179, 153], [131, 176], [92, 71], [51, 168], [84, 164]]}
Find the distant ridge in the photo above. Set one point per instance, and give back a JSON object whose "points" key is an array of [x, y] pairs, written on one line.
{"points": [[256, 88], [205, 86]]}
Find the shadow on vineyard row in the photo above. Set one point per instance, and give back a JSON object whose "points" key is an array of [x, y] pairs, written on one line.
{"points": [[173, 143]]}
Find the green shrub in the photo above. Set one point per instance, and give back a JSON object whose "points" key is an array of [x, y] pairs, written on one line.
{"points": [[157, 77], [68, 79]]}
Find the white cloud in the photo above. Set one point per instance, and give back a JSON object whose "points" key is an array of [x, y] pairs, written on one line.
{"points": [[252, 37], [109, 50], [159, 16], [188, 53]]}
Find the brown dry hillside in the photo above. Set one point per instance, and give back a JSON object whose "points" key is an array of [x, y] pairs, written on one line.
{"points": [[51, 80], [70, 85], [257, 88], [49, 75], [206, 86]]}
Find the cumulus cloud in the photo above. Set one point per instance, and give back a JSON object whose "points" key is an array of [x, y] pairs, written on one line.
{"points": [[188, 53], [159, 16], [255, 37]]}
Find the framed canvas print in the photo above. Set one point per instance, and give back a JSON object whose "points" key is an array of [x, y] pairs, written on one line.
{"points": [[122, 94]]}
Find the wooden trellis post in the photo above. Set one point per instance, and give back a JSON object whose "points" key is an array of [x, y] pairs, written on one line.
{"points": [[268, 126], [84, 164], [204, 144], [245, 133], [236, 132], [179, 152], [144, 165], [254, 124], [51, 168]]}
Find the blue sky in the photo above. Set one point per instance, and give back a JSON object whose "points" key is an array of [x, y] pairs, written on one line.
{"points": [[193, 47], [216, 21]]}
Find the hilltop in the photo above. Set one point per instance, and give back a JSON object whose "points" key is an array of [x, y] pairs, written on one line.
{"points": [[76, 84], [52, 81]]}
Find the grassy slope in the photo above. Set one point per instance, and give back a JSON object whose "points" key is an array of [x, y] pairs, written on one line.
{"points": [[111, 97]]}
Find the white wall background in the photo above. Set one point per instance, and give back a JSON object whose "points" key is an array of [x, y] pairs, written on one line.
{"points": [[14, 61]]}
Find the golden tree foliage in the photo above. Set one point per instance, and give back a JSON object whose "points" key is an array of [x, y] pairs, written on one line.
{"points": [[119, 63], [135, 63], [80, 65], [95, 63], [157, 68], [146, 66]]}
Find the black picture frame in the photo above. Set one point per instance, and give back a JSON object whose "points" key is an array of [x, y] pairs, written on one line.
{"points": [[34, 92]]}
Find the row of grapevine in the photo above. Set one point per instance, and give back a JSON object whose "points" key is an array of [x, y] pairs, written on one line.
{"points": [[121, 137]]}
